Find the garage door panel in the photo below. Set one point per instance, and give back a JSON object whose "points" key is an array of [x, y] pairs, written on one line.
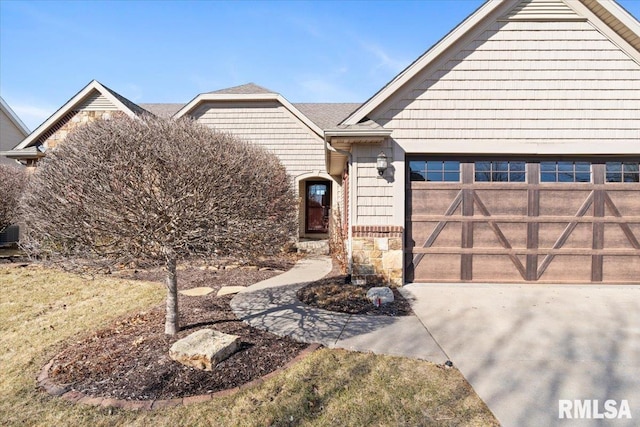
{"points": [[623, 269], [495, 268], [484, 235], [615, 238], [435, 267], [626, 202], [567, 268], [439, 234], [581, 236], [494, 201], [434, 202], [564, 202]]}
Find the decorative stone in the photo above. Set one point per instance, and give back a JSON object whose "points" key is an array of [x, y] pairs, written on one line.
{"points": [[380, 295], [392, 260], [228, 290], [196, 292], [381, 244], [204, 349]]}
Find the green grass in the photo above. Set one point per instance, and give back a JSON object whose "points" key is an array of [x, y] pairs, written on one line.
{"points": [[40, 309]]}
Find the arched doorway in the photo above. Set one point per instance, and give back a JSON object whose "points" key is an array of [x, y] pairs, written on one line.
{"points": [[317, 206]]}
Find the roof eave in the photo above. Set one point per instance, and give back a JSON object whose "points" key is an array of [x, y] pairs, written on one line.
{"points": [[23, 154], [231, 97], [14, 117], [62, 111], [415, 67]]}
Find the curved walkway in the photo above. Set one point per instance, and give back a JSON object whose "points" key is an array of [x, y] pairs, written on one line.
{"points": [[272, 305]]}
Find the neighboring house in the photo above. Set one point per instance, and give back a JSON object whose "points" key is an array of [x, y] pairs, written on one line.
{"points": [[12, 131], [513, 149]]}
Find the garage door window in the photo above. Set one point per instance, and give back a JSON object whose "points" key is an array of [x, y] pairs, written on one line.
{"points": [[499, 171], [565, 171], [623, 172], [435, 170]]}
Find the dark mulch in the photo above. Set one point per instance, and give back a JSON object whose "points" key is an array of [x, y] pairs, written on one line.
{"points": [[333, 294], [130, 358]]}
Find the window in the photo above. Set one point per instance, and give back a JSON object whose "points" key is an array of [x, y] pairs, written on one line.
{"points": [[499, 171], [565, 171], [434, 170], [623, 172]]}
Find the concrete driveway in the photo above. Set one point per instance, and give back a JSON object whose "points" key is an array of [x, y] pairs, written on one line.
{"points": [[525, 347]]}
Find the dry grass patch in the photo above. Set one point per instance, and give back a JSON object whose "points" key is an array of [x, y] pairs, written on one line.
{"points": [[40, 309]]}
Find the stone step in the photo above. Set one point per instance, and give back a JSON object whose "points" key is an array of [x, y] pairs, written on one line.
{"points": [[313, 247]]}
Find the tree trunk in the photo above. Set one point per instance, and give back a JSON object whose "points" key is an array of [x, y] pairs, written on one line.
{"points": [[171, 324]]}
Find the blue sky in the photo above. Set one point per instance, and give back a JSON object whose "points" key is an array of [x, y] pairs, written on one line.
{"points": [[170, 51]]}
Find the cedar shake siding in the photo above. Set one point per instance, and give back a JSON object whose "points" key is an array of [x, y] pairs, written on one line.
{"points": [[270, 125]]}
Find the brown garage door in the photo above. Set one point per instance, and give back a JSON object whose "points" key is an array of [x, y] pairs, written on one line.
{"points": [[515, 220]]}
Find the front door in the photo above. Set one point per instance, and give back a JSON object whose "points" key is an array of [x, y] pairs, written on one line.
{"points": [[318, 206]]}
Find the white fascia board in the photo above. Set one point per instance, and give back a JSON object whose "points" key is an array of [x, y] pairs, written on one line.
{"points": [[621, 15], [13, 117], [416, 67], [25, 153], [68, 106], [618, 13], [222, 97], [230, 97], [351, 133], [481, 148]]}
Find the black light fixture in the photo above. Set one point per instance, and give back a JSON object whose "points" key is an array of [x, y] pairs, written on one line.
{"points": [[381, 163]]}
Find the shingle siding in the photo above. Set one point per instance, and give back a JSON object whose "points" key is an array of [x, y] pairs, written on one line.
{"points": [[374, 197], [525, 81], [10, 136], [270, 125]]}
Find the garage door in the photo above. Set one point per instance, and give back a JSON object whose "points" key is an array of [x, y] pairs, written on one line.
{"points": [[516, 220]]}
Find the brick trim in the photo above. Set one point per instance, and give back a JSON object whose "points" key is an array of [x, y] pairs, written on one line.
{"points": [[65, 391], [377, 231]]}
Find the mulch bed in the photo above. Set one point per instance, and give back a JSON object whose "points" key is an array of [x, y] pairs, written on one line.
{"points": [[130, 358], [333, 294]]}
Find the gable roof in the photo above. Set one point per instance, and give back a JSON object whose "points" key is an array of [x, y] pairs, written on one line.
{"points": [[165, 110], [248, 92], [13, 117], [607, 15], [246, 89], [87, 93], [327, 115]]}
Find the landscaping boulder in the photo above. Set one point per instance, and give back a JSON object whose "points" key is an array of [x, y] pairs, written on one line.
{"points": [[204, 349], [380, 295], [228, 290]]}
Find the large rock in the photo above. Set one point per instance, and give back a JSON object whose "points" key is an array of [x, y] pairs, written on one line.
{"points": [[380, 295], [204, 349]]}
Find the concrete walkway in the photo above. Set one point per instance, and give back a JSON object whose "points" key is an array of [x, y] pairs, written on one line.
{"points": [[521, 347], [272, 305]]}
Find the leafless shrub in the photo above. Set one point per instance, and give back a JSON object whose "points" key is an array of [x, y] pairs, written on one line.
{"points": [[153, 190], [337, 241], [12, 181]]}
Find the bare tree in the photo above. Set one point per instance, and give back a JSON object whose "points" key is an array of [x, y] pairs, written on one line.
{"points": [[12, 180], [155, 190]]}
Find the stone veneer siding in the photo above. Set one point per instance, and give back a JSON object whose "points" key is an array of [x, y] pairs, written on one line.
{"points": [[377, 253], [73, 120]]}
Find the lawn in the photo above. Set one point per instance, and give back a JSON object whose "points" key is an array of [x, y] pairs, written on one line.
{"points": [[41, 309]]}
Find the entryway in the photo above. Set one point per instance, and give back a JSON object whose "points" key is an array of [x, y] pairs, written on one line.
{"points": [[317, 206]]}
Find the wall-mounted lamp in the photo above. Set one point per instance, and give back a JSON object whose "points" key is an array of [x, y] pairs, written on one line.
{"points": [[381, 163]]}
